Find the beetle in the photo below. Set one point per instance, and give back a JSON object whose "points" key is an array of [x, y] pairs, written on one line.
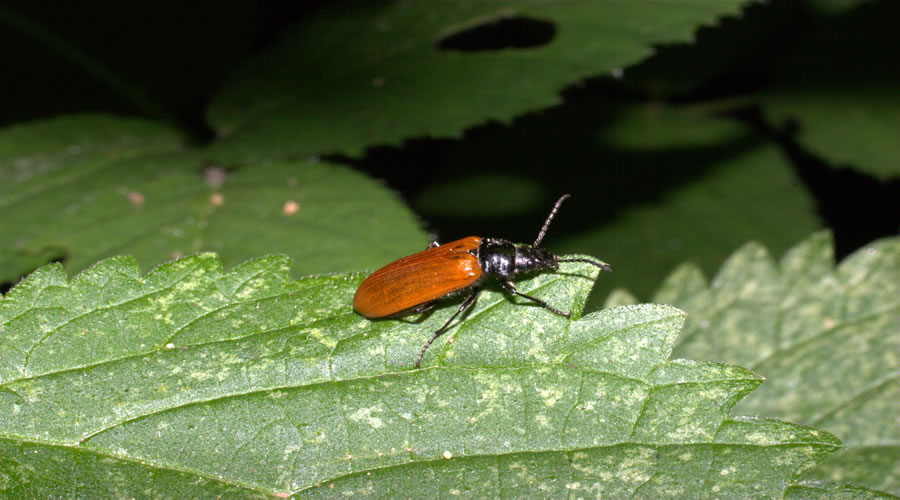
{"points": [[418, 282]]}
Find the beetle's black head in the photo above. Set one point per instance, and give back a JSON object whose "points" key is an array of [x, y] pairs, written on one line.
{"points": [[541, 259], [534, 259]]}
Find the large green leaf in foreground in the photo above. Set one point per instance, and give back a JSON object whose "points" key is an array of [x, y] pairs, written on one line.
{"points": [[85, 187], [361, 73], [827, 340], [191, 382]]}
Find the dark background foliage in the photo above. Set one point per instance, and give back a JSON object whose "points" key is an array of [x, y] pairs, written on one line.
{"points": [[167, 60]]}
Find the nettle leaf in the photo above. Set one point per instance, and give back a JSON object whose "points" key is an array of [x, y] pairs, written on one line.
{"points": [[826, 339], [193, 382], [86, 187], [711, 181], [360, 73], [833, 491], [702, 167]]}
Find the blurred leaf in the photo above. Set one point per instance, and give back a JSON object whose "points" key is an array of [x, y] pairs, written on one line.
{"points": [[652, 186], [806, 490], [840, 86], [700, 199], [620, 297], [475, 194], [835, 6], [726, 60], [363, 73], [86, 187], [192, 382], [827, 340]]}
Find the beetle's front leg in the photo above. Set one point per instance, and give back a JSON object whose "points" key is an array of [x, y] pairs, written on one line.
{"points": [[511, 288]]}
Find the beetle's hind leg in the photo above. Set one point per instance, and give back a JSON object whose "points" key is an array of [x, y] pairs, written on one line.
{"points": [[510, 287], [440, 331]]}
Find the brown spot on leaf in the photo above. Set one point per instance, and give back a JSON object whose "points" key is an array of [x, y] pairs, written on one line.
{"points": [[291, 207], [136, 198]]}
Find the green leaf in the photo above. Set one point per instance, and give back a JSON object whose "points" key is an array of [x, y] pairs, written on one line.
{"points": [[832, 491], [652, 172], [694, 178], [193, 382], [364, 73], [839, 84], [826, 339], [86, 187], [730, 50]]}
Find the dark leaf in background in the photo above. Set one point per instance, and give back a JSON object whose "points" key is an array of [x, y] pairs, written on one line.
{"points": [[83, 188], [360, 74]]}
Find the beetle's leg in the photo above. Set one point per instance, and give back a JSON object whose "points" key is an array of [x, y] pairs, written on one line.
{"points": [[424, 307], [440, 331], [433, 244], [511, 288]]}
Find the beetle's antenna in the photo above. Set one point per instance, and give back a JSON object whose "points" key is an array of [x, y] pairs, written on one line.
{"points": [[600, 264], [550, 219]]}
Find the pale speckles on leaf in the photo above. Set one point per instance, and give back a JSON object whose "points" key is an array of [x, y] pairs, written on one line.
{"points": [[320, 336], [223, 374], [689, 433], [200, 375], [523, 473], [298, 318], [633, 468], [228, 359], [186, 286], [550, 395], [246, 292], [713, 393], [165, 301], [632, 398], [259, 367], [367, 416]]}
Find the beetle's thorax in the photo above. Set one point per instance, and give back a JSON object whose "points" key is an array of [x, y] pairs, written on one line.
{"points": [[505, 259]]}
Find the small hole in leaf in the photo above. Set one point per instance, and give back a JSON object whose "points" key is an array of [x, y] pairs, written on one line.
{"points": [[511, 32]]}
